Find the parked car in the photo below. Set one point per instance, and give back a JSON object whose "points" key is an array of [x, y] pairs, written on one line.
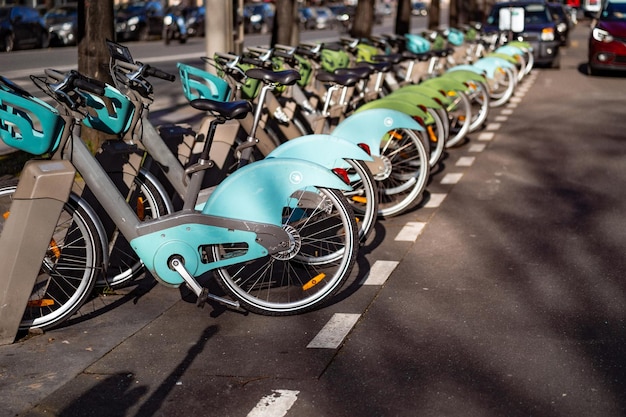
{"points": [[306, 16], [324, 18], [195, 17], [139, 20], [419, 9], [258, 17], [22, 27], [62, 22], [538, 28], [343, 15], [563, 21], [607, 48]]}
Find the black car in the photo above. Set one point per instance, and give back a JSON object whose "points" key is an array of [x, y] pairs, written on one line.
{"points": [[62, 23], [22, 27], [140, 20], [563, 21], [537, 28]]}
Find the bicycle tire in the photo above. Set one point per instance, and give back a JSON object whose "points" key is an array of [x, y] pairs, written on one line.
{"points": [[460, 116], [504, 90], [307, 275], [363, 198], [480, 101], [406, 173], [436, 137], [69, 268]]}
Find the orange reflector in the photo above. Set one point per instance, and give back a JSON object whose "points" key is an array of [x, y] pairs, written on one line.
{"points": [[462, 118], [55, 248], [141, 212], [312, 283], [452, 93], [395, 135], [359, 199], [5, 215], [431, 133], [45, 302]]}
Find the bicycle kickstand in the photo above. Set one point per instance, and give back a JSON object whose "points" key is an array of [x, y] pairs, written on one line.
{"points": [[203, 293]]}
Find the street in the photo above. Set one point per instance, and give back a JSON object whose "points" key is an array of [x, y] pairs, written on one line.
{"points": [[502, 294]]}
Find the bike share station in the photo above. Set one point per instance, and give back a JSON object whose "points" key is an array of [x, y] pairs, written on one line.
{"points": [[43, 189]]}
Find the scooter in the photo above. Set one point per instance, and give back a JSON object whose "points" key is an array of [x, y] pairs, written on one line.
{"points": [[174, 27]]}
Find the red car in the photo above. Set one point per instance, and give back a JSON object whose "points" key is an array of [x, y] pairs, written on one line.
{"points": [[607, 43]]}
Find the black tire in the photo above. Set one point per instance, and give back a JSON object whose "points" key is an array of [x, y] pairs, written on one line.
{"points": [[363, 198], [310, 272], [69, 269]]}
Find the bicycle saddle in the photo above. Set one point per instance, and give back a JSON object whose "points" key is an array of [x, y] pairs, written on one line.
{"points": [[285, 77], [340, 78], [226, 109]]}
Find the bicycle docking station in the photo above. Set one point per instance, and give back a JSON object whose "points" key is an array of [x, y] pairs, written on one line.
{"points": [[43, 189]]}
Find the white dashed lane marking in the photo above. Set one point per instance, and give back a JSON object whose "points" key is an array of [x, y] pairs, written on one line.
{"points": [[435, 200], [276, 404], [451, 178], [332, 334], [410, 232], [476, 147], [465, 161], [379, 272]]}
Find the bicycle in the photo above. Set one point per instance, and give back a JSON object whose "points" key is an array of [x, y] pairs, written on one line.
{"points": [[166, 245]]}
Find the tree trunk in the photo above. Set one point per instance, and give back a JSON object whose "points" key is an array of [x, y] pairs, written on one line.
{"points": [[433, 15], [284, 23], [403, 17], [95, 26], [363, 19]]}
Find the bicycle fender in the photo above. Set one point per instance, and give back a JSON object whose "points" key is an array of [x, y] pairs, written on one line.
{"points": [[370, 126], [259, 191], [525, 46], [429, 91], [509, 58], [446, 84], [466, 74], [509, 50], [395, 103], [494, 61], [472, 68], [415, 96], [326, 150]]}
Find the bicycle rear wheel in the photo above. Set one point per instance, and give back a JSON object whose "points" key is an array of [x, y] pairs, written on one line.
{"points": [[460, 115], [69, 268], [322, 253], [407, 168], [363, 197]]}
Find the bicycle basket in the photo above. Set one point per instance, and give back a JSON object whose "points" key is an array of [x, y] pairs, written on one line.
{"points": [[417, 44], [365, 52], [202, 84], [455, 37], [111, 113], [333, 59], [27, 123], [305, 69]]}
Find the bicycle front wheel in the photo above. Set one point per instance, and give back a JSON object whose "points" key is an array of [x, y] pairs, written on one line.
{"points": [[322, 253], [69, 268], [363, 197]]}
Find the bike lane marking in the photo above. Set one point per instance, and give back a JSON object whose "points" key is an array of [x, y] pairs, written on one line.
{"points": [[435, 200], [276, 404], [410, 232], [334, 331], [379, 272]]}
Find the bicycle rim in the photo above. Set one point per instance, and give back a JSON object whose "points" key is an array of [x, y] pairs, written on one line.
{"points": [[460, 114], [436, 138], [363, 197], [504, 89], [479, 99], [69, 268], [406, 172], [321, 256]]}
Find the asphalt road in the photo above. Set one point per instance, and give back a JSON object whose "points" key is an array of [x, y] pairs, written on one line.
{"points": [[502, 295]]}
